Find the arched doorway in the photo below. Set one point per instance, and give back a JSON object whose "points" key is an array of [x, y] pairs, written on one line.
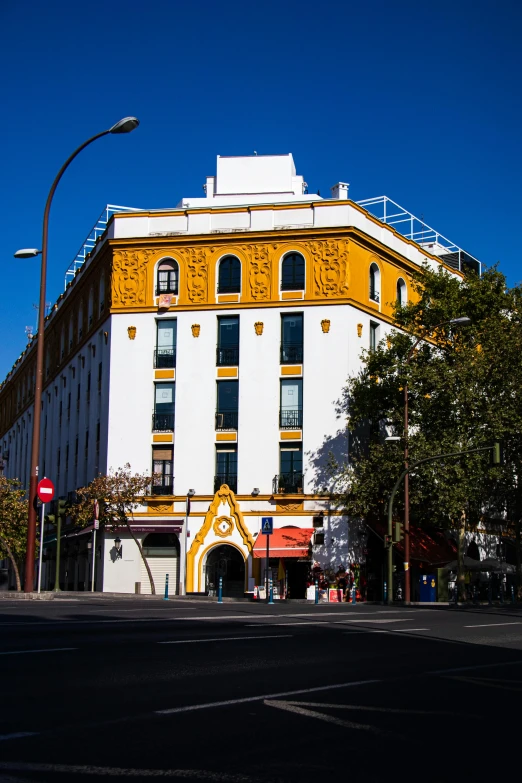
{"points": [[226, 561], [162, 553]]}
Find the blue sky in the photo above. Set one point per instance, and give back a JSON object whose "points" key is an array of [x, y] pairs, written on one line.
{"points": [[419, 101]]}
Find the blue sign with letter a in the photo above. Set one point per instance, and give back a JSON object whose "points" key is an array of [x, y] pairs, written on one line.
{"points": [[267, 525]]}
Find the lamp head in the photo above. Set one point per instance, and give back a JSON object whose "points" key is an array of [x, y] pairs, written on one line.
{"points": [[255, 491], [464, 321], [392, 438], [126, 125], [191, 493], [117, 543], [27, 252]]}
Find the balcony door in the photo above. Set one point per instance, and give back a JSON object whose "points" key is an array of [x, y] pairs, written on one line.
{"points": [[291, 414], [162, 478], [292, 338], [164, 406], [226, 467], [227, 405], [166, 343], [228, 341], [291, 468]]}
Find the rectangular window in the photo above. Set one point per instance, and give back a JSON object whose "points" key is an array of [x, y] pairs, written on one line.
{"points": [[165, 355], [86, 445], [290, 477], [163, 416], [227, 405], [100, 372], [58, 457], [228, 341], [97, 439], [76, 452], [88, 394], [292, 338], [374, 335], [60, 411], [162, 471], [226, 467], [68, 406], [78, 393], [291, 409]]}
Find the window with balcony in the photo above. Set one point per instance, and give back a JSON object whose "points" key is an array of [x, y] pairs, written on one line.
{"points": [[292, 338], [165, 354], [290, 477], [226, 467], [227, 405], [167, 277], [291, 408], [163, 416], [401, 292], [293, 272], [228, 341], [229, 278], [374, 335], [375, 283], [162, 471]]}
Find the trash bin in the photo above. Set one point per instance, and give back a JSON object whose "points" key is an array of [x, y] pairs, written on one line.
{"points": [[4, 580], [428, 588]]}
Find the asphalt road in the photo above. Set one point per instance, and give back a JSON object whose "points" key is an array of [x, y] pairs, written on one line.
{"points": [[97, 689]]}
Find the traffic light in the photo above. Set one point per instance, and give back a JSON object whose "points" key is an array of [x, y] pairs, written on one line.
{"points": [[497, 454], [50, 518], [62, 508], [387, 541], [398, 532]]}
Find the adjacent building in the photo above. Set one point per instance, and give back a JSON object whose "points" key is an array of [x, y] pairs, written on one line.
{"points": [[209, 345]]}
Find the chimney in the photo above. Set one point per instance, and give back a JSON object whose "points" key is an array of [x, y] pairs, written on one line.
{"points": [[340, 191], [208, 187]]}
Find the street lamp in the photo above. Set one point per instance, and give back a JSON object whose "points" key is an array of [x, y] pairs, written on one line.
{"points": [[462, 321], [126, 125]]}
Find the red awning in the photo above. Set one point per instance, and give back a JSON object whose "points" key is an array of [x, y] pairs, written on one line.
{"points": [[285, 542], [432, 548]]}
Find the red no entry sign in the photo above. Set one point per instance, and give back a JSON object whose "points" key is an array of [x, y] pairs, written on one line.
{"points": [[45, 490]]}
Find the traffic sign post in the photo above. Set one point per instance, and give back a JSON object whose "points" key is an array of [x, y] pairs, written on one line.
{"points": [[45, 491], [267, 528], [96, 525]]}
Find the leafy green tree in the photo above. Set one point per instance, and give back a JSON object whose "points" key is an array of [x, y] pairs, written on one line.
{"points": [[464, 390], [13, 523], [119, 493]]}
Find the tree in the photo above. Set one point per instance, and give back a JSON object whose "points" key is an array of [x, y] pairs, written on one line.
{"points": [[13, 523], [119, 494], [464, 390]]}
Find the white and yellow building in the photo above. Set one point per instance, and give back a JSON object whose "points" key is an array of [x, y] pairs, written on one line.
{"points": [[208, 344]]}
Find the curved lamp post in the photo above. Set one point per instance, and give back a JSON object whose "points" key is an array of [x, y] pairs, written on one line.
{"points": [[463, 321], [126, 125]]}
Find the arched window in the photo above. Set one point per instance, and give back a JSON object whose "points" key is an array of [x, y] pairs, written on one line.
{"points": [[401, 292], [293, 272], [229, 281], [375, 283], [167, 279]]}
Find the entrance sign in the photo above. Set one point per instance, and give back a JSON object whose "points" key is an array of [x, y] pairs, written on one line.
{"points": [[267, 525], [45, 490]]}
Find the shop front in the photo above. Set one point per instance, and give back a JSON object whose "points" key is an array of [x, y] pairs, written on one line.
{"points": [[288, 564]]}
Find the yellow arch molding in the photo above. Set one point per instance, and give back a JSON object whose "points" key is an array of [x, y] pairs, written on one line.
{"points": [[223, 495], [213, 545]]}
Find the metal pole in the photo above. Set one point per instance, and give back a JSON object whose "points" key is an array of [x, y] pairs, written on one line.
{"points": [[220, 590], [271, 593], [166, 597], [267, 563], [93, 558], [57, 570], [37, 407], [407, 582], [316, 591], [40, 555]]}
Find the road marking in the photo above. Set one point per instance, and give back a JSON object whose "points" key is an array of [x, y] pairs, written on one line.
{"points": [[379, 621], [472, 668], [345, 724], [375, 709], [263, 697], [287, 625], [26, 652], [491, 625], [408, 630], [228, 639], [198, 774], [18, 735]]}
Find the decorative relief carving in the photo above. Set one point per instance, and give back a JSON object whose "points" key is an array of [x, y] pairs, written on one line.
{"points": [[359, 330], [258, 326], [330, 267], [259, 271], [131, 331], [197, 274], [159, 508], [129, 280], [325, 325], [223, 526], [196, 328], [289, 506]]}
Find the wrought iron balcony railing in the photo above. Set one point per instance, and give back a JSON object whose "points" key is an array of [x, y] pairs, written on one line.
{"points": [[287, 483], [226, 420], [226, 478], [162, 422], [162, 485], [291, 353], [166, 287], [227, 357], [228, 288], [290, 419], [165, 357]]}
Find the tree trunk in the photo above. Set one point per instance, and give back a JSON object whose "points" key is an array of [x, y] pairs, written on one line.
{"points": [[519, 559], [151, 580], [461, 540], [14, 564]]}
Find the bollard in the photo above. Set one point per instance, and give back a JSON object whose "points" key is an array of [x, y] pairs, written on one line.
{"points": [[220, 590], [166, 598], [271, 589], [354, 595], [316, 591], [385, 592], [502, 592], [512, 594]]}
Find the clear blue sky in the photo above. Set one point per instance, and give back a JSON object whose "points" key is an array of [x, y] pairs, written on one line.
{"points": [[419, 101]]}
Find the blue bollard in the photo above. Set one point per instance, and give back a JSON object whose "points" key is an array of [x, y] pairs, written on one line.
{"points": [[385, 591], [220, 590], [354, 595], [271, 588], [316, 591], [166, 598]]}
